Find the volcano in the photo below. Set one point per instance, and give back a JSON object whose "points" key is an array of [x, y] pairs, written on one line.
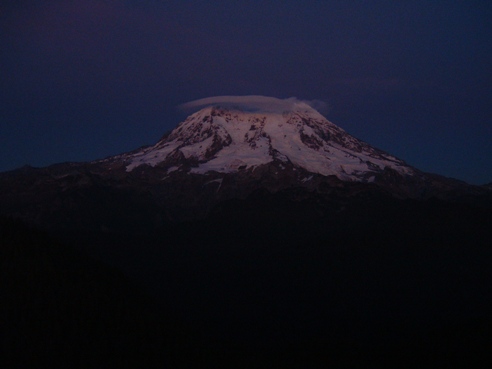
{"points": [[272, 234], [225, 140], [220, 153]]}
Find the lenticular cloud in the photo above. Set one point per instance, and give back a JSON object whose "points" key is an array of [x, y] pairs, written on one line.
{"points": [[251, 103]]}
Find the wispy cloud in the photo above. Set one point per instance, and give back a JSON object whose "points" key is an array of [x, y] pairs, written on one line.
{"points": [[253, 103]]}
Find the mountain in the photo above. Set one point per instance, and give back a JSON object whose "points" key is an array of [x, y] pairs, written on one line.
{"points": [[226, 141], [277, 237], [215, 155], [295, 146]]}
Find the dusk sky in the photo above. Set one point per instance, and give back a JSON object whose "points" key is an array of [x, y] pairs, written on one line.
{"points": [[85, 79]]}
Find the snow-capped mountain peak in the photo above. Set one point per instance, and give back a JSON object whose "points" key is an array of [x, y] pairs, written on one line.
{"points": [[229, 140]]}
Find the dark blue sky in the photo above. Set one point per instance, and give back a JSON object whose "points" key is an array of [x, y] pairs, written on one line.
{"points": [[85, 79]]}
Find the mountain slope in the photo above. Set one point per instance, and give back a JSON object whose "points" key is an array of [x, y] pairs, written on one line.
{"points": [[227, 140], [60, 308], [215, 155]]}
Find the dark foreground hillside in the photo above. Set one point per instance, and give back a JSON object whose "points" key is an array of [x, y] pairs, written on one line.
{"points": [[286, 280], [61, 309]]}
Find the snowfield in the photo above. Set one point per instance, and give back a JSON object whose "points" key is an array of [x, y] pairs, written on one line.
{"points": [[229, 140]]}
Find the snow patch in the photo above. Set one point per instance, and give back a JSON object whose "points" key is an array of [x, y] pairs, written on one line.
{"points": [[228, 140], [218, 180]]}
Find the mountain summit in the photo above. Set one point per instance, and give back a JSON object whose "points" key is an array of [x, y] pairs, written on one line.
{"points": [[226, 140]]}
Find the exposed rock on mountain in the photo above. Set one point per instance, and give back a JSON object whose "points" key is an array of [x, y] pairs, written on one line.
{"points": [[215, 155]]}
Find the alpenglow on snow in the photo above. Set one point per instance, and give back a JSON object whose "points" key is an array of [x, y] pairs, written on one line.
{"points": [[245, 132]]}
